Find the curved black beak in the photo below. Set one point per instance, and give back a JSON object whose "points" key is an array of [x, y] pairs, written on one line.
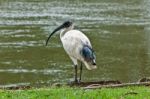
{"points": [[57, 29]]}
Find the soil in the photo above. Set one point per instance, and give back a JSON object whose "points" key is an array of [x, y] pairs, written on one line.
{"points": [[96, 84]]}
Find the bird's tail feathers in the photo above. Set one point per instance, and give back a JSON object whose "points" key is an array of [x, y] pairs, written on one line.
{"points": [[89, 56]]}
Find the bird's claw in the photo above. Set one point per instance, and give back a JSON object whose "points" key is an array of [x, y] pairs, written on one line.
{"points": [[75, 82]]}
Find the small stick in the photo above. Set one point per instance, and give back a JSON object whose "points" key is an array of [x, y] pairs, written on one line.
{"points": [[117, 85]]}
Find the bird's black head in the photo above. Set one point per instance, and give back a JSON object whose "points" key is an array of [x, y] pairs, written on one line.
{"points": [[66, 24]]}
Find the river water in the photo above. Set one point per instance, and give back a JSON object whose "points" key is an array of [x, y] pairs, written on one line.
{"points": [[119, 31]]}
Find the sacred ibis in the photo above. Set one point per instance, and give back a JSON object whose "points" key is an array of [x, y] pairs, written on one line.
{"points": [[77, 46]]}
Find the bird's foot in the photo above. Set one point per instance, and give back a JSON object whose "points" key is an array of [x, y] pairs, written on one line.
{"points": [[79, 81], [75, 82]]}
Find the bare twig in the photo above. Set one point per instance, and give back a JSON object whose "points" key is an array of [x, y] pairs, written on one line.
{"points": [[117, 85]]}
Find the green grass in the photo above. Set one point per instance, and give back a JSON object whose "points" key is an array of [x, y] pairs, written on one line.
{"points": [[78, 93]]}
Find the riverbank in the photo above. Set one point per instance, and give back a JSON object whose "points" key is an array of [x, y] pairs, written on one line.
{"points": [[64, 92]]}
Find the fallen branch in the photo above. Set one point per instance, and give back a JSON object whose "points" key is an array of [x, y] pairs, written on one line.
{"points": [[16, 87], [94, 83], [98, 86]]}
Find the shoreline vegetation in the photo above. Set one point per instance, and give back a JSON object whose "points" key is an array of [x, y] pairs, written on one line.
{"points": [[84, 90], [65, 92], [85, 85]]}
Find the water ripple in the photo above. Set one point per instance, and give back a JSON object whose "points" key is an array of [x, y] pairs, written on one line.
{"points": [[43, 71]]}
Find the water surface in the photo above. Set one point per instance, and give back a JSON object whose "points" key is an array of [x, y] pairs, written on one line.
{"points": [[119, 32]]}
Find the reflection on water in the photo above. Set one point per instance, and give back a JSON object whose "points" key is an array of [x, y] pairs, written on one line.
{"points": [[119, 32]]}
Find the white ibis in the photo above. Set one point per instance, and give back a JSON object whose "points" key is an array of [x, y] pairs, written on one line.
{"points": [[77, 46]]}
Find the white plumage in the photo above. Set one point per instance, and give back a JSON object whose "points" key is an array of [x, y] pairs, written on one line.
{"points": [[73, 41], [77, 46]]}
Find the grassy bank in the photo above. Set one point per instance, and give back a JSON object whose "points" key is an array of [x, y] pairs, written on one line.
{"points": [[77, 93]]}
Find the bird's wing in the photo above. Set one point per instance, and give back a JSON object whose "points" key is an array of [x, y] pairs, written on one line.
{"points": [[73, 42]]}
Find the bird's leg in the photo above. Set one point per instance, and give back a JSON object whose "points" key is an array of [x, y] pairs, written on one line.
{"points": [[76, 80], [80, 72]]}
